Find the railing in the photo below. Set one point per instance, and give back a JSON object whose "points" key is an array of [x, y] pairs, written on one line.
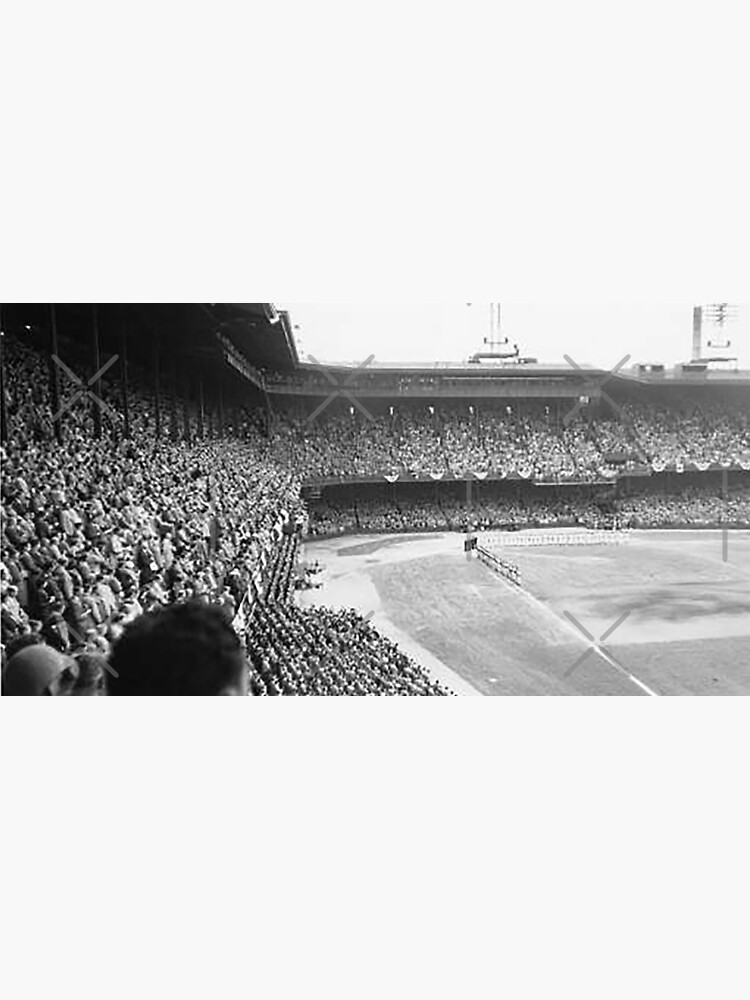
{"points": [[459, 388], [515, 540], [508, 570]]}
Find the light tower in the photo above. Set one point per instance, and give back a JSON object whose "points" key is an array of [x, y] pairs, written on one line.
{"points": [[495, 342], [497, 348], [495, 309], [707, 342]]}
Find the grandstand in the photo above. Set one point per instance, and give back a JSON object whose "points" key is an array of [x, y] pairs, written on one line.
{"points": [[163, 454]]}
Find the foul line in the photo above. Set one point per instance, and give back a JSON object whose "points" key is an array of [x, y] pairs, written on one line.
{"points": [[518, 589], [622, 670]]}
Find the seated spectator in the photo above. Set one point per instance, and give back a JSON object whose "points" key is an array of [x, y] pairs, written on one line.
{"points": [[322, 651]]}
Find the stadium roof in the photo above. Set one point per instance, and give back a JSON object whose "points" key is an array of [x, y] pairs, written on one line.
{"points": [[462, 369], [260, 331], [263, 335]]}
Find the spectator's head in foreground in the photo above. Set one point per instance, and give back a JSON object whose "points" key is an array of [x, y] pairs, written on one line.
{"points": [[184, 649], [39, 669]]}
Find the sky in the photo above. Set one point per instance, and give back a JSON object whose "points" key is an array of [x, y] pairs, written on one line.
{"points": [[594, 334]]}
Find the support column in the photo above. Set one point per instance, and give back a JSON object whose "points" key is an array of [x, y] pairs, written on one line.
{"points": [[157, 386], [174, 430], [96, 407], [186, 405], [124, 378], [3, 401], [54, 375]]}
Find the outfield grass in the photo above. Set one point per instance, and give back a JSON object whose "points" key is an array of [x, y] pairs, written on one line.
{"points": [[687, 629]]}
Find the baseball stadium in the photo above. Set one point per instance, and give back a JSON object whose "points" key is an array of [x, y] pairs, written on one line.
{"points": [[494, 526]]}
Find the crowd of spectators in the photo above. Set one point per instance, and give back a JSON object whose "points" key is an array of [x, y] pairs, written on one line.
{"points": [[100, 528], [125, 560], [321, 651], [693, 507], [492, 507], [571, 507], [527, 441], [496, 507], [97, 530], [709, 435]]}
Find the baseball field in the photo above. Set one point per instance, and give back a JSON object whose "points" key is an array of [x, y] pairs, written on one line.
{"points": [[664, 614]]}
